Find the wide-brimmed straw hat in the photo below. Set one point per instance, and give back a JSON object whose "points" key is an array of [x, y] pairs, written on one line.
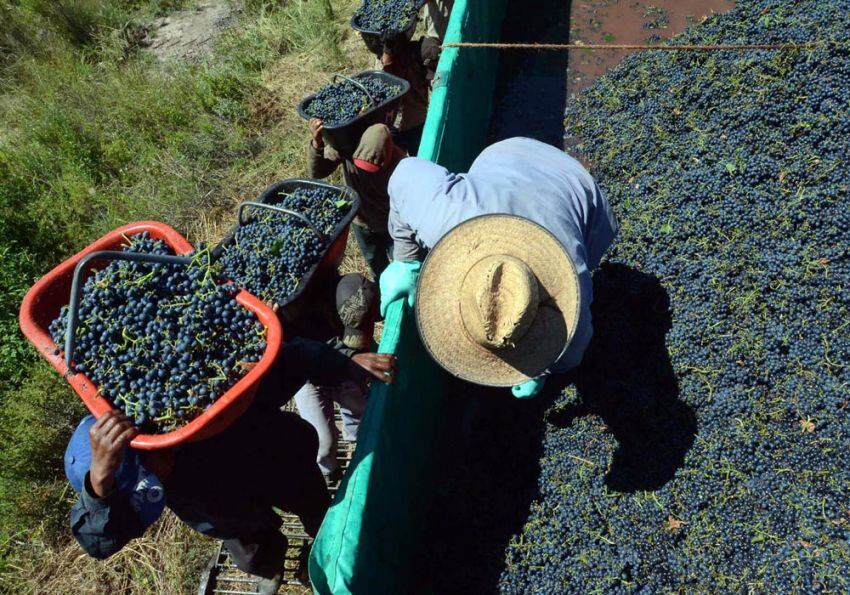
{"points": [[498, 300]]}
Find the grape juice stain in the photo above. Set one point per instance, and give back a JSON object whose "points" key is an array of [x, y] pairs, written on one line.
{"points": [[628, 22]]}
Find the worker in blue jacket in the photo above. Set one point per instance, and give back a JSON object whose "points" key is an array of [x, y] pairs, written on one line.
{"points": [[225, 486], [503, 298]]}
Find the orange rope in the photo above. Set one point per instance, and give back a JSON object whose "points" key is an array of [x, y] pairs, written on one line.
{"points": [[577, 46]]}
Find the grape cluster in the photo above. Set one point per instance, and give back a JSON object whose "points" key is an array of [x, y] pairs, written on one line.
{"points": [[324, 207], [162, 342], [702, 445], [341, 102], [270, 255], [381, 16]]}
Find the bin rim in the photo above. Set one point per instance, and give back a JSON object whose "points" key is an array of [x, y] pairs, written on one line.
{"points": [[390, 78], [37, 333], [272, 191]]}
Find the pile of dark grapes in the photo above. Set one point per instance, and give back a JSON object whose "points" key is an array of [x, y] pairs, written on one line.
{"points": [[340, 102], [381, 16], [704, 443], [162, 342], [272, 252]]}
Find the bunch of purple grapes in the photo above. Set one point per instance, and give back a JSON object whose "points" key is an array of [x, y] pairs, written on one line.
{"points": [[342, 101]]}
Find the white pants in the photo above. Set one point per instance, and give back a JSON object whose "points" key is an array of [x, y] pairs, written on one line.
{"points": [[437, 14], [316, 406]]}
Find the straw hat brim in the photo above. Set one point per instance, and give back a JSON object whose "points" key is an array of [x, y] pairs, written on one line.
{"points": [[438, 311]]}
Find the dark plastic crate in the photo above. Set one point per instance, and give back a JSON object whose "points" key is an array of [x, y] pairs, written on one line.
{"points": [[345, 137], [332, 253], [372, 38]]}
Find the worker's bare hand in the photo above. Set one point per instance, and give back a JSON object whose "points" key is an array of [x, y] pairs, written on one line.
{"points": [[108, 437], [316, 128], [374, 365]]}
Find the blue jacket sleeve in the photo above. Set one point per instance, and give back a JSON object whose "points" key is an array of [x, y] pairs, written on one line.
{"points": [[102, 526], [418, 207]]}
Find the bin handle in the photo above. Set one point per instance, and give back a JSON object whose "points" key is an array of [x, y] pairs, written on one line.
{"points": [[296, 214], [76, 286], [356, 84]]}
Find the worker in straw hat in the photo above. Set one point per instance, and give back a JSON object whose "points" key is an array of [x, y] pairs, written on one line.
{"points": [[503, 297]]}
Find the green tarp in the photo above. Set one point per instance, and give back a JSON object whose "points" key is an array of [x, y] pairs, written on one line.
{"points": [[369, 537], [365, 542], [462, 97]]}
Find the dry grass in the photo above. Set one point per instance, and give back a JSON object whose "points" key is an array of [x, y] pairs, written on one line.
{"points": [[168, 559]]}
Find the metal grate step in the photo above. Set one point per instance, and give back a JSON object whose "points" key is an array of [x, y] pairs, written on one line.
{"points": [[221, 577]]}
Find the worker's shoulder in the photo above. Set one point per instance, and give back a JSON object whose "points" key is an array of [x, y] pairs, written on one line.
{"points": [[412, 174], [520, 151]]}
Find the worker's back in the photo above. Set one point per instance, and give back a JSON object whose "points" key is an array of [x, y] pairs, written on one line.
{"points": [[518, 176]]}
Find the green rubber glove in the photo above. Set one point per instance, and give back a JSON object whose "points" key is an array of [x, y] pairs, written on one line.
{"points": [[529, 388], [399, 281]]}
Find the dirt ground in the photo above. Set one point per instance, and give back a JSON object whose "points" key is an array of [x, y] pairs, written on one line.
{"points": [[188, 34]]}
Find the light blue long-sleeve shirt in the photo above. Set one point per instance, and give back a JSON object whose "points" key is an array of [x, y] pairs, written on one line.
{"points": [[518, 176]]}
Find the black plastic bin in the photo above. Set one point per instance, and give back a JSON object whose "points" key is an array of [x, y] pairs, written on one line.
{"points": [[332, 253], [372, 38], [345, 137]]}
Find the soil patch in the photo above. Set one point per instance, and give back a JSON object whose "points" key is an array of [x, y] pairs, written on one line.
{"points": [[188, 34]]}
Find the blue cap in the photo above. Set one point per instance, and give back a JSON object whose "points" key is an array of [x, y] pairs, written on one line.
{"points": [[147, 496]]}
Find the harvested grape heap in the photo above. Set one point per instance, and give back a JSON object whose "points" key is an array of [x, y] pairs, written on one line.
{"points": [[340, 102], [385, 15], [704, 443], [270, 254], [162, 342]]}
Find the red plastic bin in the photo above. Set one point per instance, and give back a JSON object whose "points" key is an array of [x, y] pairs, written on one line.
{"points": [[44, 300]]}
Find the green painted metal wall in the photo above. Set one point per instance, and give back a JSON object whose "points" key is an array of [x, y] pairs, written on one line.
{"points": [[462, 98], [367, 537]]}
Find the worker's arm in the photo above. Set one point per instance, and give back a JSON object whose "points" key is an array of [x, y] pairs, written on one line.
{"points": [[303, 359], [602, 226], [574, 352], [421, 210], [405, 246], [102, 519], [322, 161], [418, 215], [102, 526]]}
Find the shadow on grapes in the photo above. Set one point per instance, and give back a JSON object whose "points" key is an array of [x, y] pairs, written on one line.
{"points": [[626, 379], [531, 87], [491, 443]]}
